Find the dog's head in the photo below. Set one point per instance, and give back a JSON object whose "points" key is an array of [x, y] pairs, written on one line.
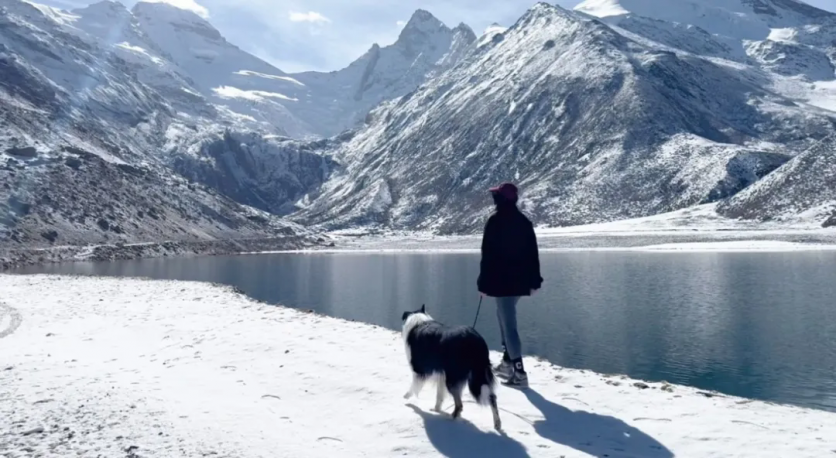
{"points": [[406, 315]]}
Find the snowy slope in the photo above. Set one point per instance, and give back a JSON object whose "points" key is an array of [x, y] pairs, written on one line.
{"points": [[595, 124], [786, 36], [201, 53], [89, 130], [118, 367], [804, 188]]}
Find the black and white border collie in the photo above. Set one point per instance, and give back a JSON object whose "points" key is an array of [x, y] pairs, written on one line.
{"points": [[454, 356]]}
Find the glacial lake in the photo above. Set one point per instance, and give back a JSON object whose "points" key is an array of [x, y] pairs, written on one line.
{"points": [[756, 325]]}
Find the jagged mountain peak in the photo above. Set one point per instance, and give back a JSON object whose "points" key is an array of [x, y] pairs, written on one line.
{"points": [[464, 28], [545, 9], [423, 19], [101, 13], [104, 5], [544, 13], [163, 11], [421, 26], [425, 48]]}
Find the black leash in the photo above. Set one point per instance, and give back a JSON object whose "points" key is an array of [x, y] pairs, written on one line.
{"points": [[477, 312]]}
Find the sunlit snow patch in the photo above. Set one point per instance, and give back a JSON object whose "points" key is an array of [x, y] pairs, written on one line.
{"points": [[57, 15], [137, 50], [269, 77], [230, 92]]}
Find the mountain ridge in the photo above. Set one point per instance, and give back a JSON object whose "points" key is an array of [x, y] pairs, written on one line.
{"points": [[593, 124], [103, 97], [597, 118]]}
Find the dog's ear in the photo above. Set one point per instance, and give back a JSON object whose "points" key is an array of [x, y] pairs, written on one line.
{"points": [[423, 308], [405, 315]]}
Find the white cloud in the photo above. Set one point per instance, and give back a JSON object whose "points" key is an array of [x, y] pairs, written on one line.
{"points": [[310, 16], [400, 23], [188, 5]]}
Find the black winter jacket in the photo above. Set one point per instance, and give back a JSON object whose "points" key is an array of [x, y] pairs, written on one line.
{"points": [[510, 260]]}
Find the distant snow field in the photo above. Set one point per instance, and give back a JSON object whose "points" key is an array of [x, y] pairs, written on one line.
{"points": [[695, 229], [270, 77], [120, 367], [256, 96]]}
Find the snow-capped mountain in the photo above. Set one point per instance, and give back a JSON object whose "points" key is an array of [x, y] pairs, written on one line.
{"points": [[310, 104], [111, 98], [785, 36], [595, 121], [340, 100], [89, 134], [622, 109]]}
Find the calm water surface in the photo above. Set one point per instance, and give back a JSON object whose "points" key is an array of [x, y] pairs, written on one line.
{"points": [[748, 324]]}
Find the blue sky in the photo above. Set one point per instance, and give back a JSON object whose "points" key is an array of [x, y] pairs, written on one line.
{"points": [[297, 35]]}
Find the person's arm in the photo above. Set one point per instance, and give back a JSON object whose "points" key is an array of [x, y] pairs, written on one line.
{"points": [[533, 256], [487, 254]]}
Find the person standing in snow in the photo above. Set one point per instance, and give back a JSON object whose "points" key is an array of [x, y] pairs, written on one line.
{"points": [[510, 269]]}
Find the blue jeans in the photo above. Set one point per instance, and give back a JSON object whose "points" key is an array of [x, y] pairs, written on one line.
{"points": [[506, 313]]}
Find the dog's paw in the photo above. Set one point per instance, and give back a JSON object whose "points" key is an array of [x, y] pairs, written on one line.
{"points": [[438, 409], [407, 395]]}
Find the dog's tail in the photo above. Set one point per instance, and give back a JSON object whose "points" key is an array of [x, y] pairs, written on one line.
{"points": [[481, 381]]}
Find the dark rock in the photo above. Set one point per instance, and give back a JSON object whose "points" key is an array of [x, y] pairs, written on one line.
{"points": [[26, 151], [641, 385], [548, 45], [103, 224], [37, 430], [52, 236], [73, 163], [831, 222], [136, 171]]}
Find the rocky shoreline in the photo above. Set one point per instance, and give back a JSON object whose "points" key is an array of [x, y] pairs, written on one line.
{"points": [[12, 258]]}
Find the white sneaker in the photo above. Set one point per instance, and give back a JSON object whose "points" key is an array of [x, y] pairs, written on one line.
{"points": [[517, 380], [504, 369]]}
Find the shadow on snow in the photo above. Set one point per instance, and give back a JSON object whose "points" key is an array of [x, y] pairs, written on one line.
{"points": [[593, 434]]}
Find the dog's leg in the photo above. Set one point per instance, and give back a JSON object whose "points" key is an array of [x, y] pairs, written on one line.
{"points": [[457, 398], [415, 389], [495, 409], [441, 391]]}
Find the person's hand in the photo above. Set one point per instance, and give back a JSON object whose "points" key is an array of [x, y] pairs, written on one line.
{"points": [[481, 294]]}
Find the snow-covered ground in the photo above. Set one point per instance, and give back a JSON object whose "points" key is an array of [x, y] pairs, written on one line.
{"points": [[697, 228], [120, 367]]}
